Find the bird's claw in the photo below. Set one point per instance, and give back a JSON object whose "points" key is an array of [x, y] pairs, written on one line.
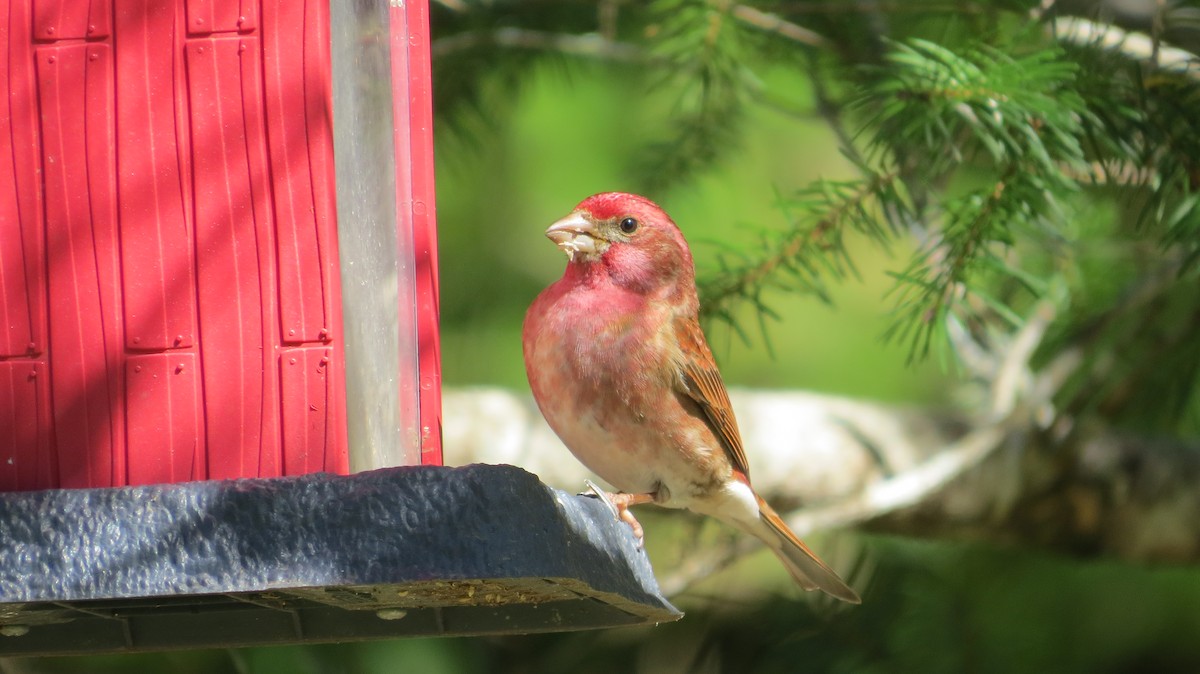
{"points": [[618, 505], [595, 491]]}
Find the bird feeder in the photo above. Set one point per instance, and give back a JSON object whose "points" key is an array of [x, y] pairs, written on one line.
{"points": [[219, 374]]}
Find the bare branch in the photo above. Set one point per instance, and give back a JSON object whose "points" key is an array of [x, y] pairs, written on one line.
{"points": [[590, 45], [884, 496], [1136, 46], [1013, 377], [772, 23], [944, 474]]}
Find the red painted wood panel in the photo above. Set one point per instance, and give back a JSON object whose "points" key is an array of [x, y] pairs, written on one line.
{"points": [[163, 411], [75, 93], [16, 319], [70, 19], [25, 456], [310, 413], [298, 114], [232, 257], [22, 244], [150, 184], [156, 241], [219, 16]]}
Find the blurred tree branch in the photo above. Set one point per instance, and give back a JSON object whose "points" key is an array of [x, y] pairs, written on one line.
{"points": [[589, 45], [836, 462]]}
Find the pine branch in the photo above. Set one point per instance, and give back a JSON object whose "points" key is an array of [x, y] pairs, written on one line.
{"points": [[704, 56], [977, 227], [1015, 116], [1143, 100], [1120, 364], [952, 106], [810, 251]]}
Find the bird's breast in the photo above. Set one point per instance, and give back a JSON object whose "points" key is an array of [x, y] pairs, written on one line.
{"points": [[602, 374]]}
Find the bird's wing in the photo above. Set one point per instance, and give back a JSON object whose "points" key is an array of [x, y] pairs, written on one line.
{"points": [[701, 381]]}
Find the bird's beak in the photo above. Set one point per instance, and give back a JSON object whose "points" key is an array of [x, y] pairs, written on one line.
{"points": [[574, 234]]}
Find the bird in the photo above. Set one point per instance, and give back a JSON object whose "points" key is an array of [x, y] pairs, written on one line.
{"points": [[621, 370]]}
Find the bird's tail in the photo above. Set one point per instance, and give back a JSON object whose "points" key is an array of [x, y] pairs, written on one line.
{"points": [[803, 564]]}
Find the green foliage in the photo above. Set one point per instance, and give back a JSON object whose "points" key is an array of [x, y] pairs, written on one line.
{"points": [[1018, 110], [1018, 123], [812, 249], [701, 52], [1007, 163]]}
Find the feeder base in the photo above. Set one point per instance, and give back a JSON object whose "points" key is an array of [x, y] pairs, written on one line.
{"points": [[413, 551]]}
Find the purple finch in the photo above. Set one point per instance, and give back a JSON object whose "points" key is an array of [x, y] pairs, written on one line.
{"points": [[623, 374]]}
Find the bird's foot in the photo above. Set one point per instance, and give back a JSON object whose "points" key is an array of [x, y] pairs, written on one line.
{"points": [[626, 516], [619, 503]]}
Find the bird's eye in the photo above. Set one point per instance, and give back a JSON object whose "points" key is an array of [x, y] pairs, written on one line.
{"points": [[629, 225]]}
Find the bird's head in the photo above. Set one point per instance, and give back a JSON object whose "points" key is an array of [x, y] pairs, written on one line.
{"points": [[628, 237]]}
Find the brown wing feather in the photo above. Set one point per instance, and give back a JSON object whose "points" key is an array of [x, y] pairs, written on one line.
{"points": [[701, 381]]}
